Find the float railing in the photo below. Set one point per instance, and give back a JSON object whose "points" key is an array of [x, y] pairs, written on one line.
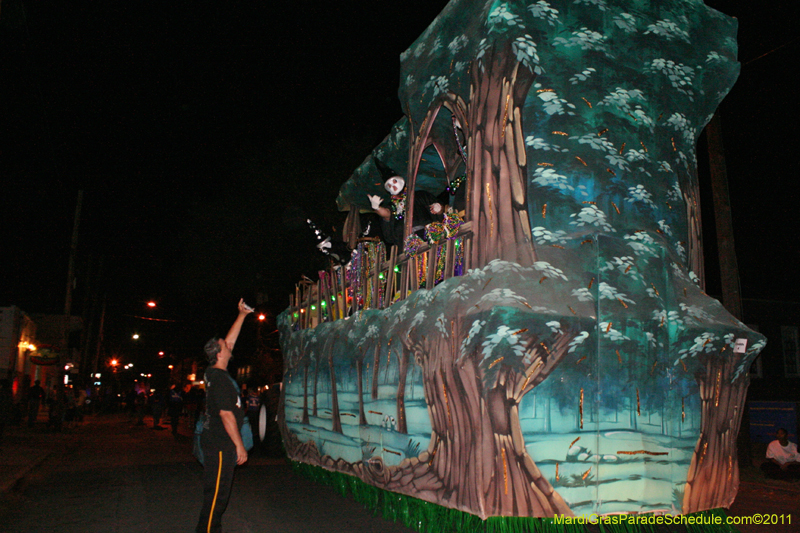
{"points": [[376, 279]]}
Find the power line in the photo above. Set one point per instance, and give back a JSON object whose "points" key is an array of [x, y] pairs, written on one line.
{"points": [[771, 51], [153, 319]]}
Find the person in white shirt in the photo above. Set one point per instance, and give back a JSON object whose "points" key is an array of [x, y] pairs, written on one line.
{"points": [[784, 461]]}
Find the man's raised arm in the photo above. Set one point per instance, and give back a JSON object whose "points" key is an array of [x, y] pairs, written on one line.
{"points": [[233, 334]]}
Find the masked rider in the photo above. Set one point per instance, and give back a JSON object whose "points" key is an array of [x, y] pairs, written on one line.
{"points": [[427, 208]]}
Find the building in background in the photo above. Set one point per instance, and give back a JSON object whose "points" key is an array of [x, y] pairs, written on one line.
{"points": [[30, 348], [774, 392], [50, 332], [17, 343]]}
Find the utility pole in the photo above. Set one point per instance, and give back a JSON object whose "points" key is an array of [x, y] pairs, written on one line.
{"points": [[71, 275], [729, 269], [91, 305], [99, 336]]}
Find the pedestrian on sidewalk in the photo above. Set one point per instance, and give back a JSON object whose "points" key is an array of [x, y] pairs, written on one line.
{"points": [[35, 396], [70, 408], [6, 405], [221, 441], [174, 407], [200, 409], [157, 406], [190, 399], [253, 406], [80, 404], [140, 405], [56, 409]]}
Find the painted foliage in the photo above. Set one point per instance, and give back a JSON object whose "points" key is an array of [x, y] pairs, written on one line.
{"points": [[577, 366]]}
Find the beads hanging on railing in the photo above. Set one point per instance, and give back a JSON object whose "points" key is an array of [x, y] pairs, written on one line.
{"points": [[441, 256], [354, 280], [452, 223], [435, 232], [363, 274], [365, 283], [412, 245], [422, 268]]}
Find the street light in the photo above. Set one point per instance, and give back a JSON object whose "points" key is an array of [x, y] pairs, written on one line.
{"points": [[135, 336], [151, 304]]}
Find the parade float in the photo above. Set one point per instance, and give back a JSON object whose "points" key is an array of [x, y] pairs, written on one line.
{"points": [[547, 348]]}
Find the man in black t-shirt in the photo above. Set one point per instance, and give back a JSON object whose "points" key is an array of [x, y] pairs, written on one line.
{"points": [[221, 441]]}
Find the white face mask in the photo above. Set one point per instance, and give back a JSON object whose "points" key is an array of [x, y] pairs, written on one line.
{"points": [[395, 184]]}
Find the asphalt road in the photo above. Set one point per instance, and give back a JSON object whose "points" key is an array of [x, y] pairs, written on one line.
{"points": [[113, 476]]}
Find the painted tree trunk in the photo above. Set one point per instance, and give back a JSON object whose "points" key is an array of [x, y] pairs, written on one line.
{"points": [[402, 425], [335, 417], [375, 368], [547, 421], [362, 417], [477, 460], [316, 380], [305, 394], [713, 476], [694, 223], [479, 429], [497, 160]]}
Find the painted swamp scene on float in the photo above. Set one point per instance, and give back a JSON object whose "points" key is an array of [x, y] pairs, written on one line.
{"points": [[547, 349]]}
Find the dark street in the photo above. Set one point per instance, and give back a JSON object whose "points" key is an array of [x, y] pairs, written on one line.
{"points": [[588, 215], [110, 475]]}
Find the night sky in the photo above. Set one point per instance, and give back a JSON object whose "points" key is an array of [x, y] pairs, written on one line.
{"points": [[203, 133]]}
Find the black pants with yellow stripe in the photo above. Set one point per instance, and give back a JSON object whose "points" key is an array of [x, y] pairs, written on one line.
{"points": [[217, 481]]}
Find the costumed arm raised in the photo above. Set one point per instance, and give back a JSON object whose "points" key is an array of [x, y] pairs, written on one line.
{"points": [[375, 201]]}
